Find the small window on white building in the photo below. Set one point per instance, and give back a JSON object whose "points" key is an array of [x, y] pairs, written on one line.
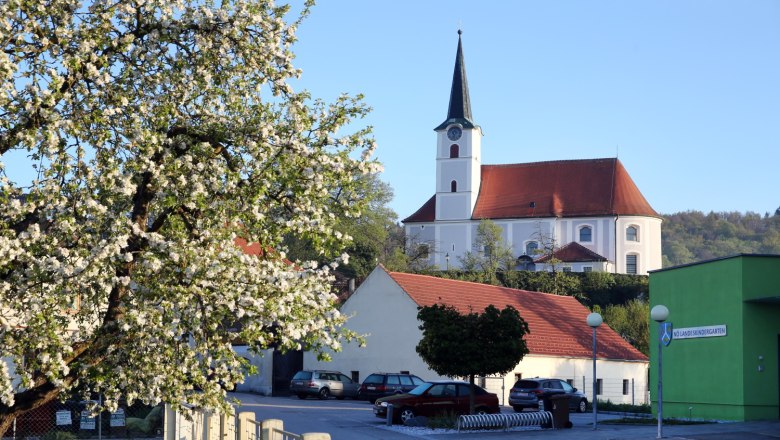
{"points": [[625, 387], [599, 384], [531, 247], [566, 269], [632, 233], [454, 186], [631, 263], [586, 234], [587, 268], [423, 250]]}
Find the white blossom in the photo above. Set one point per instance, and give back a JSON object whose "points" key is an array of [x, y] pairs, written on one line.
{"points": [[164, 130]]}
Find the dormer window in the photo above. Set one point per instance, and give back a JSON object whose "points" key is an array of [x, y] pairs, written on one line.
{"points": [[586, 234], [454, 186], [454, 151]]}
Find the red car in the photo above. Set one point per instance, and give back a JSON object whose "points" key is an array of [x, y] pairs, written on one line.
{"points": [[433, 398]]}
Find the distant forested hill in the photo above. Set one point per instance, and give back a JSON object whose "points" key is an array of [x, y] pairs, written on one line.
{"points": [[694, 236]]}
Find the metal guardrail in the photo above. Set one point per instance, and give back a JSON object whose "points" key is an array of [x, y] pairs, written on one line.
{"points": [[275, 433], [504, 421]]}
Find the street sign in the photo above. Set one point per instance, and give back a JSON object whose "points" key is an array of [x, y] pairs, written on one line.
{"points": [[665, 333]]}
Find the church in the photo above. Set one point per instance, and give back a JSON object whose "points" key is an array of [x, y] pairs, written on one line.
{"points": [[588, 213]]}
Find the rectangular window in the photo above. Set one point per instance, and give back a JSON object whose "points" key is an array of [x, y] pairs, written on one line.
{"points": [[599, 384], [567, 269], [631, 264], [587, 269], [423, 251], [625, 387]]}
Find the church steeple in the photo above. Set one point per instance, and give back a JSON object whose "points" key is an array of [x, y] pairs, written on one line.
{"points": [[459, 111]]}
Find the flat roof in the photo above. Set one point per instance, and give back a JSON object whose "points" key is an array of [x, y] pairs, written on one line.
{"points": [[715, 259]]}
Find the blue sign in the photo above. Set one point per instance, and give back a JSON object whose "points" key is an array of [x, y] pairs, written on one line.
{"points": [[665, 333]]}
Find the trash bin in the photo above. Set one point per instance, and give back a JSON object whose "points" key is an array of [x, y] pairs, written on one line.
{"points": [[559, 406]]}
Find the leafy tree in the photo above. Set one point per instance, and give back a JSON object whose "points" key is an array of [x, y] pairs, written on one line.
{"points": [[631, 321], [162, 131], [694, 236], [491, 253], [472, 344], [373, 234]]}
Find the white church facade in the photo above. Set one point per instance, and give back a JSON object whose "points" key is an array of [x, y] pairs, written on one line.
{"points": [[590, 209]]}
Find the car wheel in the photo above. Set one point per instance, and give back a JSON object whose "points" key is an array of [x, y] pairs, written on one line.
{"points": [[481, 411], [302, 396], [324, 393], [582, 406], [406, 414], [517, 408]]}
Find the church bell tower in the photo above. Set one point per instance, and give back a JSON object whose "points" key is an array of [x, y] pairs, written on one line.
{"points": [[458, 142]]}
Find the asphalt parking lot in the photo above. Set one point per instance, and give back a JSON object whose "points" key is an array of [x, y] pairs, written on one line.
{"points": [[353, 420]]}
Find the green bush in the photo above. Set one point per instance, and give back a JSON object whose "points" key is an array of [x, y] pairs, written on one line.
{"points": [[607, 405], [58, 435], [445, 420]]}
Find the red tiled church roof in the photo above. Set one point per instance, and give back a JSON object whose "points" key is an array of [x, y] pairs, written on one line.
{"points": [[567, 188], [557, 323], [573, 253]]}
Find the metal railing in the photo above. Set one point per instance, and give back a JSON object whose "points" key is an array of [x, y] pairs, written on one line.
{"points": [[504, 421], [256, 431], [270, 429]]}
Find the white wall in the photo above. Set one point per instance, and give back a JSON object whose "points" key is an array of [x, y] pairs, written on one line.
{"points": [[609, 238], [387, 316], [261, 382], [580, 372]]}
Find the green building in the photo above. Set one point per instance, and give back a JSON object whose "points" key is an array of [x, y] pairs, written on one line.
{"points": [[722, 362]]}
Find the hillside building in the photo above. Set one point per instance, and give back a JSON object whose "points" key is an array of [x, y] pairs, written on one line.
{"points": [[592, 203]]}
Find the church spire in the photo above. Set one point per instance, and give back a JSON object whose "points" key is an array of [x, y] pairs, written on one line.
{"points": [[459, 111]]}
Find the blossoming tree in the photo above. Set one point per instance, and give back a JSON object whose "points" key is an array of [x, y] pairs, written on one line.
{"points": [[162, 131]]}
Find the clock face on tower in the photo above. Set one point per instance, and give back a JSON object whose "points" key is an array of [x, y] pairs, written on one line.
{"points": [[454, 133]]}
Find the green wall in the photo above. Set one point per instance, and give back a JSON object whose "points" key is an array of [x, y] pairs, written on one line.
{"points": [[718, 377]]}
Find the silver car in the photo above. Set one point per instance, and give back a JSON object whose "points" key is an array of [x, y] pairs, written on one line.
{"points": [[323, 384]]}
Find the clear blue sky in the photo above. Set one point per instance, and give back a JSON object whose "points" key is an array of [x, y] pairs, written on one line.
{"points": [[685, 93]]}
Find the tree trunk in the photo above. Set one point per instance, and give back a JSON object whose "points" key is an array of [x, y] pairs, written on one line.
{"points": [[471, 394], [25, 401]]}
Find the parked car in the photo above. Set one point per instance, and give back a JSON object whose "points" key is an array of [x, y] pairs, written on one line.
{"points": [[323, 384], [378, 385], [526, 393], [432, 398]]}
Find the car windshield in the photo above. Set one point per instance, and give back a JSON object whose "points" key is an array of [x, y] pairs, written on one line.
{"points": [[420, 389], [302, 375], [374, 379], [527, 384]]}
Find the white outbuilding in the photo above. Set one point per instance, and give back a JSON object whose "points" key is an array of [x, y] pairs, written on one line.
{"points": [[384, 309]]}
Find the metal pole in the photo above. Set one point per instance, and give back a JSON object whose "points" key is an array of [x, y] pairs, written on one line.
{"points": [[660, 387], [595, 417]]}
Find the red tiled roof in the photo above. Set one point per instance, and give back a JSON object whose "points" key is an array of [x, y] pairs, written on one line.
{"points": [[426, 213], [567, 188], [573, 253], [557, 323]]}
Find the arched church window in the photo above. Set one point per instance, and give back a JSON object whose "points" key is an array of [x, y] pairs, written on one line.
{"points": [[586, 234], [453, 186], [454, 151]]}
